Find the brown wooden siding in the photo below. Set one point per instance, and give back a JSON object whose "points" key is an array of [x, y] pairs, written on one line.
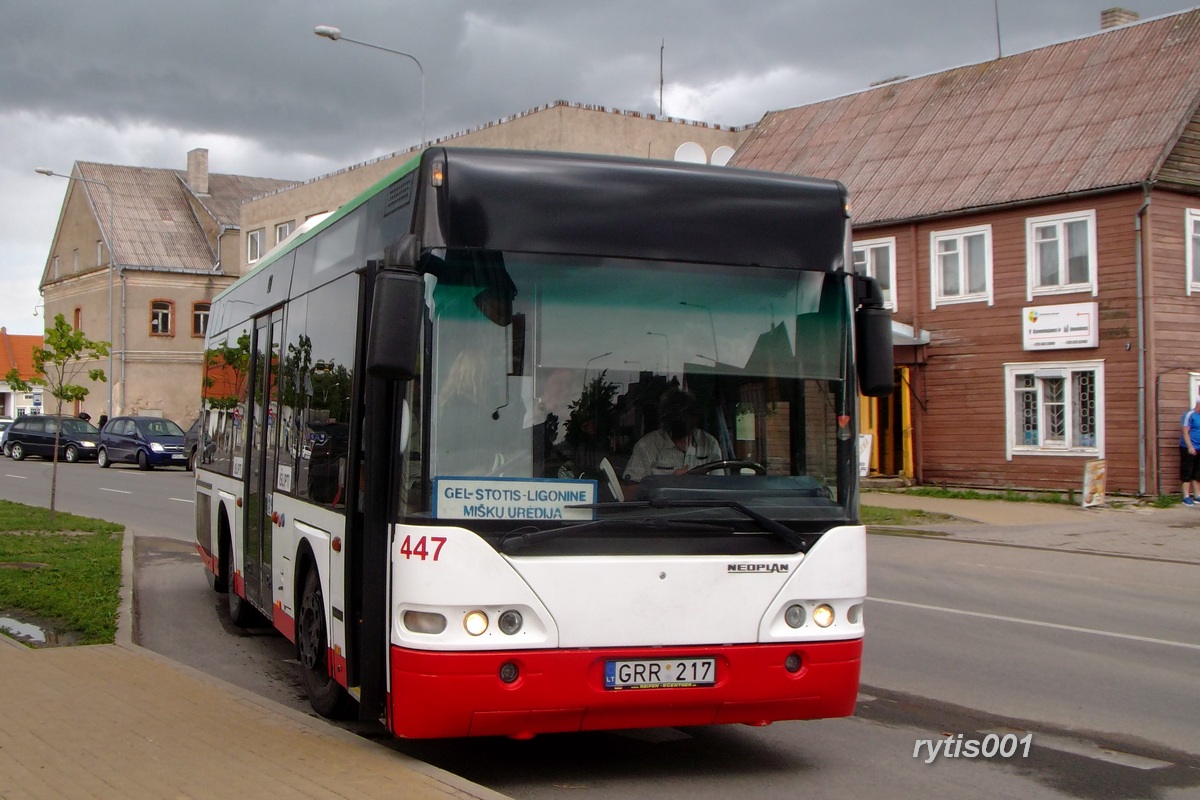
{"points": [[1173, 332], [961, 398], [1182, 166]]}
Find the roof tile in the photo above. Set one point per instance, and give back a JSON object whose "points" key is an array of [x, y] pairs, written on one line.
{"points": [[1096, 112]]}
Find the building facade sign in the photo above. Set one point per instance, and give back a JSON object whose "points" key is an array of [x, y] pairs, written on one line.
{"points": [[1061, 327]]}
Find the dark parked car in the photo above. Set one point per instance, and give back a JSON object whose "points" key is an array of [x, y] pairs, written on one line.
{"points": [[198, 445], [147, 441], [34, 436]]}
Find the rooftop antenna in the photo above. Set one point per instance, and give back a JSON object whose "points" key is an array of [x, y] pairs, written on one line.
{"points": [[660, 76], [996, 8]]}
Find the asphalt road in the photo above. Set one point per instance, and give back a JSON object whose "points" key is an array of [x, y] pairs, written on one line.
{"points": [[158, 502], [1094, 656]]}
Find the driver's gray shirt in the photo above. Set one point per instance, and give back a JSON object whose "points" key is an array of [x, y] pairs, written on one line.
{"points": [[656, 454]]}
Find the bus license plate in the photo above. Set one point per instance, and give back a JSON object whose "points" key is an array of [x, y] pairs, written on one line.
{"points": [[660, 674]]}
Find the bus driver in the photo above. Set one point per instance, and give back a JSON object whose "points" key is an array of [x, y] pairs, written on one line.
{"points": [[677, 445]]}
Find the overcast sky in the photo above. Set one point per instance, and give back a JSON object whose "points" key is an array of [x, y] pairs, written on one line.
{"points": [[141, 82]]}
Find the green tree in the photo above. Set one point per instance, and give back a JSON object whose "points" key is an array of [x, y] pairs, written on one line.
{"points": [[232, 365], [65, 355], [593, 417]]}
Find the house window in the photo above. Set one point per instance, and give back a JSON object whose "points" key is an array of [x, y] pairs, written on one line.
{"points": [[254, 245], [877, 259], [160, 318], [961, 266], [1193, 251], [284, 230], [1061, 253], [1055, 408], [200, 318], [99, 252], [78, 319]]}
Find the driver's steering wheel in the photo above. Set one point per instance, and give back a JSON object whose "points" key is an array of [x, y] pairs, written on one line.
{"points": [[735, 464]]}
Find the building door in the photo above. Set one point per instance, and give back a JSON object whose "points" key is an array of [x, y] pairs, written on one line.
{"points": [[887, 420]]}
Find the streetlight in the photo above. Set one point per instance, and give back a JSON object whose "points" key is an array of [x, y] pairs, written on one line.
{"points": [[112, 267], [588, 365], [335, 34], [666, 349], [711, 323]]}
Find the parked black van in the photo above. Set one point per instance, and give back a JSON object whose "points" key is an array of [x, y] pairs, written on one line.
{"points": [[33, 435]]}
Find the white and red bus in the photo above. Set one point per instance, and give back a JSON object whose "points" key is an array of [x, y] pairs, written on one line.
{"points": [[423, 414]]}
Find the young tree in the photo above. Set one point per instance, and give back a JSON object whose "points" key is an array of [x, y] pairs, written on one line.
{"points": [[65, 355]]}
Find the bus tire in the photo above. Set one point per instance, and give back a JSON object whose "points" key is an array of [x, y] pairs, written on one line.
{"points": [[325, 694], [240, 611]]}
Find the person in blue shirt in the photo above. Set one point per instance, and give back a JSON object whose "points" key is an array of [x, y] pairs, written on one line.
{"points": [[1189, 463]]}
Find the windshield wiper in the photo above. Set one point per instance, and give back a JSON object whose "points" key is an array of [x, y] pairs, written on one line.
{"points": [[517, 541], [775, 527]]}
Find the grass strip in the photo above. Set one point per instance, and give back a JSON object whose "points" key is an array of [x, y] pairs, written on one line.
{"points": [[66, 575]]}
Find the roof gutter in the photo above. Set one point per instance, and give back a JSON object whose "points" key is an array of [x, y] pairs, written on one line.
{"points": [[1011, 204]]}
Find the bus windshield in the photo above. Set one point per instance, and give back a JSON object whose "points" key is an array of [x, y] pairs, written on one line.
{"points": [[547, 369]]}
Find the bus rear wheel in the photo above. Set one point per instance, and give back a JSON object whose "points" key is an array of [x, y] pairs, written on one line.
{"points": [[326, 695]]}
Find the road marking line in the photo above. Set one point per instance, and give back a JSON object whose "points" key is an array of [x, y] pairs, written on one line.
{"points": [[118, 491], [182, 500], [1037, 623], [19, 477]]}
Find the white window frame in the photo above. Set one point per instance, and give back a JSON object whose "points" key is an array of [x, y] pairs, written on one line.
{"points": [[1053, 369], [1191, 266], [201, 316], [1031, 255], [866, 247], [283, 230], [162, 317], [937, 295], [254, 245]]}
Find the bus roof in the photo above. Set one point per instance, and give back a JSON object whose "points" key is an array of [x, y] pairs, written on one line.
{"points": [[612, 206], [637, 208]]}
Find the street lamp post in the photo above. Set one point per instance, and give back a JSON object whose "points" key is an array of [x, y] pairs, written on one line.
{"points": [[588, 365], [666, 349], [335, 34], [112, 267], [711, 324]]}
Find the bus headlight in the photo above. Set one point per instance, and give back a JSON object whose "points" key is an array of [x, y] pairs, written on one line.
{"points": [[476, 623], [510, 622], [823, 615], [424, 622], [794, 615]]}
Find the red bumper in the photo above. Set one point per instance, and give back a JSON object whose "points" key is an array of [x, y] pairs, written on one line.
{"points": [[437, 694]]}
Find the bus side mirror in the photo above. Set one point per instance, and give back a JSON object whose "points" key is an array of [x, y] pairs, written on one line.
{"points": [[397, 309], [873, 339]]}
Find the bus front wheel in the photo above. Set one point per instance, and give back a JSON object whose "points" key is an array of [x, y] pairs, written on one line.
{"points": [[326, 695], [240, 611]]}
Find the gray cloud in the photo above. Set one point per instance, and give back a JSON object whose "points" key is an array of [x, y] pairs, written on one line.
{"points": [[142, 81]]}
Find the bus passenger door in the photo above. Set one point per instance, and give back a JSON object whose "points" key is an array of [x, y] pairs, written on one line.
{"points": [[261, 473]]}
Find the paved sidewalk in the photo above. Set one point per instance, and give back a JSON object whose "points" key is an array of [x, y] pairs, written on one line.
{"points": [[1170, 534], [118, 721]]}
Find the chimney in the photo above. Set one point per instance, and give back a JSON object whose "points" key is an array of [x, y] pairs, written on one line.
{"points": [[197, 170], [1116, 17]]}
